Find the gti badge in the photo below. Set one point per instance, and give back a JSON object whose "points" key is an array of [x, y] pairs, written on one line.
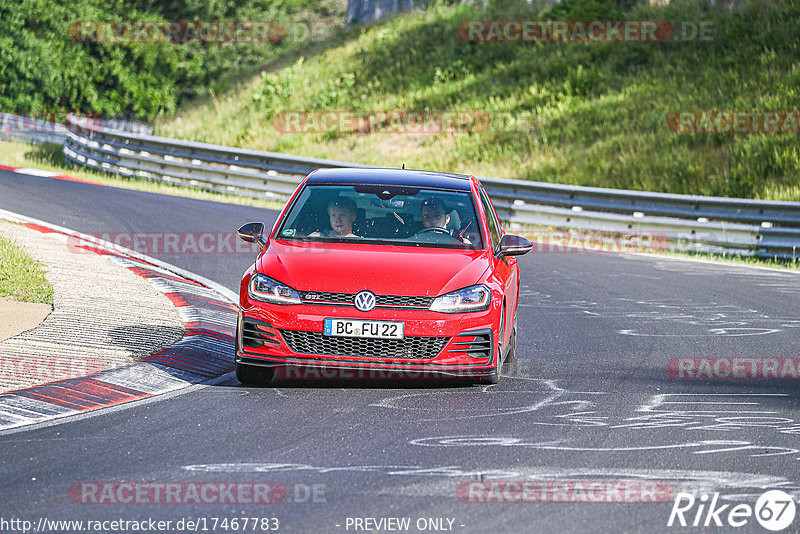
{"points": [[365, 301]]}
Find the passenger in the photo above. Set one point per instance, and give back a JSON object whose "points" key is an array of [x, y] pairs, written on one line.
{"points": [[342, 215]]}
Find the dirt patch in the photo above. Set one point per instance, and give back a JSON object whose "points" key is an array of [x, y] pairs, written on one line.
{"points": [[17, 317]]}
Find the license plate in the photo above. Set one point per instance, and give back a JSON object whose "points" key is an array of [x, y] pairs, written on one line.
{"points": [[356, 328]]}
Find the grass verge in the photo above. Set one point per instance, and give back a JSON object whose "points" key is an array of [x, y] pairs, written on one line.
{"points": [[594, 114], [21, 277], [751, 261]]}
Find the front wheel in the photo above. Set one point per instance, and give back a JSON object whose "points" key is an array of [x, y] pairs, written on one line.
{"points": [[495, 377], [512, 343], [254, 375]]}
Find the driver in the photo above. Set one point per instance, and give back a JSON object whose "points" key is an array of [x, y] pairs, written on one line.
{"points": [[434, 214], [342, 215]]}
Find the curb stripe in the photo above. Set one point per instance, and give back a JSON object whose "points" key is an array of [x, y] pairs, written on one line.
{"points": [[205, 351], [80, 390], [49, 174]]}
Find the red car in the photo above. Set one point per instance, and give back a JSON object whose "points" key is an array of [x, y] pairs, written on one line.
{"points": [[391, 270]]}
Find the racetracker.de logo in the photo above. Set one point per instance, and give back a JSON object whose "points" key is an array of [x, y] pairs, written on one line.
{"points": [[177, 493], [734, 122], [565, 491], [587, 241], [46, 368], [701, 368], [159, 243], [400, 121], [333, 373], [565, 31], [46, 122], [177, 31]]}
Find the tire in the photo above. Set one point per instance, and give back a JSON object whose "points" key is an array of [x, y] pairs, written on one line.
{"points": [[495, 378], [254, 375], [512, 343], [491, 379]]}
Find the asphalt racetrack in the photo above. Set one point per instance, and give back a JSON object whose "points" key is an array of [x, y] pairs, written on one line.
{"points": [[592, 398]]}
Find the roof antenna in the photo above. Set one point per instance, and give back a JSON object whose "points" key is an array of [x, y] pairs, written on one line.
{"points": [[404, 165]]}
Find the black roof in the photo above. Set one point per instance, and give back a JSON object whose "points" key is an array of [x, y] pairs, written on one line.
{"points": [[407, 177]]}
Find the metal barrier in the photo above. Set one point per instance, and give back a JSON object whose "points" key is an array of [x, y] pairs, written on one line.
{"points": [[372, 10], [37, 131], [711, 224]]}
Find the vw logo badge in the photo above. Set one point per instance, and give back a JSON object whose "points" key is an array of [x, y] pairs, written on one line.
{"points": [[365, 301]]}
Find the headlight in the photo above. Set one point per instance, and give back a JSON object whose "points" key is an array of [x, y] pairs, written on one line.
{"points": [[475, 298], [266, 289]]}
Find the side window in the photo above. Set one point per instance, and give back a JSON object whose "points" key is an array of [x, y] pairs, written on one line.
{"points": [[494, 230]]}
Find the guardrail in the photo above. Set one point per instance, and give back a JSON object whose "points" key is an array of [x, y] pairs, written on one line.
{"points": [[32, 130], [712, 224], [372, 10], [37, 131]]}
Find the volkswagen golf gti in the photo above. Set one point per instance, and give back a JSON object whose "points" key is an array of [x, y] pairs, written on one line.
{"points": [[382, 270]]}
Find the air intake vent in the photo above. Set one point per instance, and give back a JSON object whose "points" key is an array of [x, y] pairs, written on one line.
{"points": [[256, 334], [477, 345]]}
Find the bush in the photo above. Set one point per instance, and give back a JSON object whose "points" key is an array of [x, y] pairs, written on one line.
{"points": [[44, 69]]}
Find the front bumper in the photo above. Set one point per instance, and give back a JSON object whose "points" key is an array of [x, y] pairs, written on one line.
{"points": [[435, 344]]}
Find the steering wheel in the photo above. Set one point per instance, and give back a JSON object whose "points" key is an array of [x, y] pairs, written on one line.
{"points": [[431, 229]]}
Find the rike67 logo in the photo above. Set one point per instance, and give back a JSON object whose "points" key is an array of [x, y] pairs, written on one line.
{"points": [[774, 510]]}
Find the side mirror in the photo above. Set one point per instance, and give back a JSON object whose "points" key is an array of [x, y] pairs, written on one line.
{"points": [[253, 232], [513, 245]]}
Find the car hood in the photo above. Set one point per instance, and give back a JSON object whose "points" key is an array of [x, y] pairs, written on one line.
{"points": [[382, 269]]}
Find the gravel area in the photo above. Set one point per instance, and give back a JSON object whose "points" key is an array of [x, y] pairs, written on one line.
{"points": [[103, 316]]}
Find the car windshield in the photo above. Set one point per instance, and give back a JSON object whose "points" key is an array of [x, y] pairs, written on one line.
{"points": [[378, 214]]}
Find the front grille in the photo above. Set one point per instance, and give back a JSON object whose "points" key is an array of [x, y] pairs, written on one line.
{"points": [[415, 348], [396, 300], [256, 333], [475, 344], [381, 301], [322, 296]]}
